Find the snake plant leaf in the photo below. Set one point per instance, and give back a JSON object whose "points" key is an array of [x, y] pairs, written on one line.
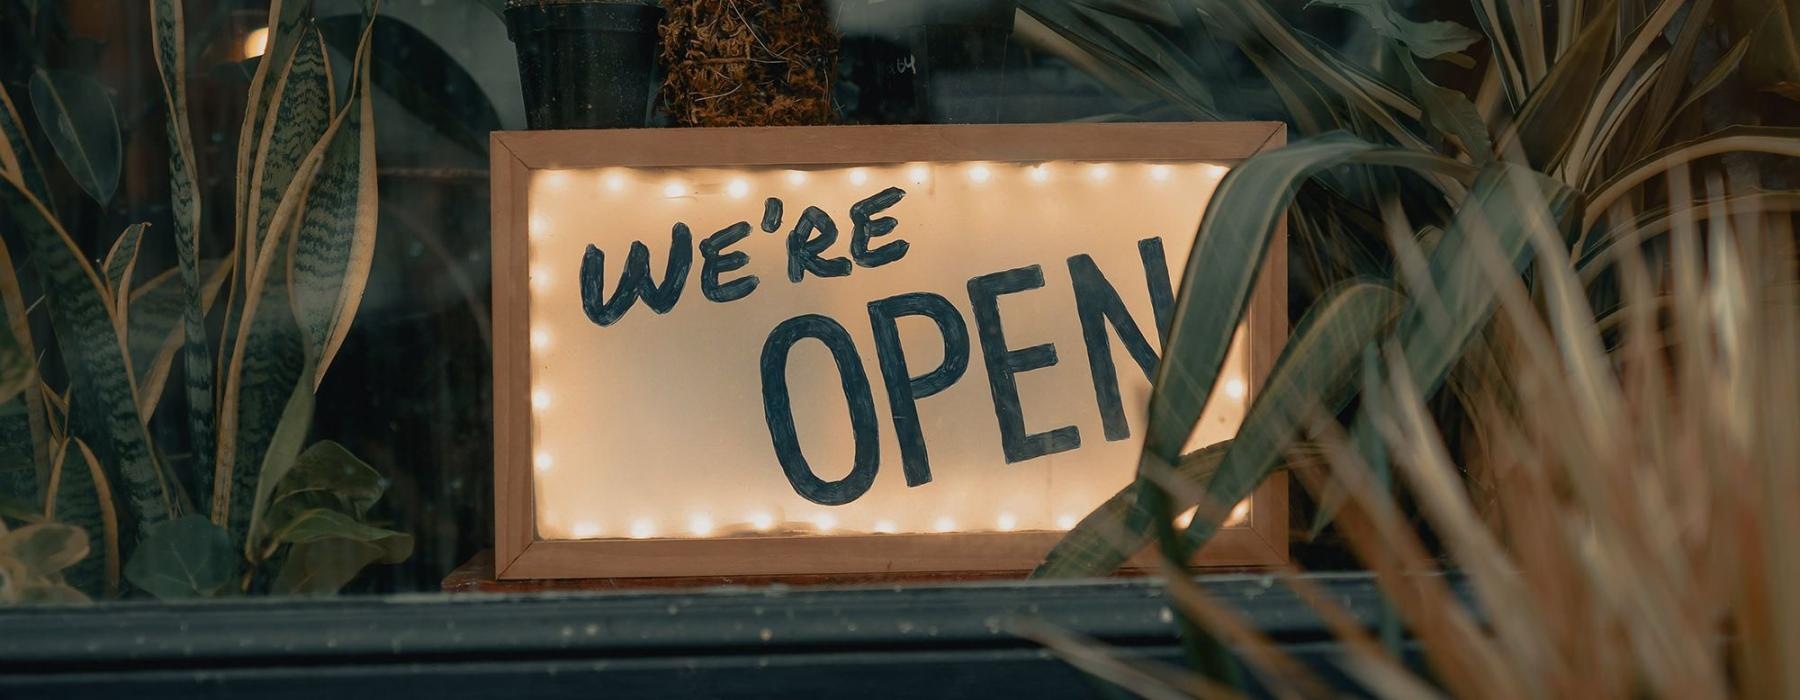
{"points": [[1498, 216], [102, 496], [282, 456], [283, 40], [188, 557], [78, 117], [18, 161], [80, 495], [1314, 369], [301, 106], [156, 330], [25, 429], [170, 47], [17, 370], [120, 263], [103, 406], [1541, 130], [334, 244], [424, 79], [1434, 39]]}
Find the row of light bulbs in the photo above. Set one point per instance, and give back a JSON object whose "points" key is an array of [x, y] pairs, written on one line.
{"points": [[702, 524], [977, 173]]}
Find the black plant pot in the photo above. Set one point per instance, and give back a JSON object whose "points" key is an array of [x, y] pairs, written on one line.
{"points": [[585, 64], [957, 55]]}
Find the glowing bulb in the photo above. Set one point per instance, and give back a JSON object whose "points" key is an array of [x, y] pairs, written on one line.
{"points": [[979, 174], [540, 399], [673, 190], [700, 524], [540, 339], [1187, 517], [917, 174], [1065, 522], [796, 178], [1007, 522], [762, 521], [544, 461], [540, 225], [1236, 388], [1239, 514], [585, 530], [858, 176], [256, 43], [615, 181], [825, 521], [1099, 172], [1159, 173], [555, 179], [944, 524], [1040, 173], [885, 526], [540, 279], [642, 528], [738, 189]]}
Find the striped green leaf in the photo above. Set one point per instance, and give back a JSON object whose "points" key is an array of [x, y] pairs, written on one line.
{"points": [[170, 47], [333, 247], [103, 404], [156, 330], [301, 104], [78, 117]]}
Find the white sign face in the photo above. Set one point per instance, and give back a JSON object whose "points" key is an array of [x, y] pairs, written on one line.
{"points": [[905, 348]]}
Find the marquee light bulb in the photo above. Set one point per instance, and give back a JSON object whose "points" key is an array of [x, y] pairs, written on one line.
{"points": [[980, 174], [540, 225], [642, 528], [540, 399], [796, 178], [1187, 517], [1065, 522], [540, 278], [885, 527], [540, 339], [738, 189], [917, 174], [700, 524], [1040, 173], [1099, 172], [586, 529], [944, 524], [825, 521], [544, 461], [858, 176], [1236, 388], [256, 42], [673, 190], [1159, 173], [762, 521], [615, 181], [556, 179], [1239, 513], [1007, 522]]}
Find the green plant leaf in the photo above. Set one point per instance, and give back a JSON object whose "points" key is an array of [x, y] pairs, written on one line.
{"points": [[282, 456], [103, 406], [18, 161], [1452, 113], [45, 548], [156, 329], [1435, 39], [188, 557], [78, 117], [169, 44], [330, 548], [410, 67], [17, 370], [334, 244], [1506, 202], [26, 433], [301, 104], [1118, 529], [1541, 129], [81, 495]]}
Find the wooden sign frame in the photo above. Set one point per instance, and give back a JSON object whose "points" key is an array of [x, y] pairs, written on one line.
{"points": [[520, 551]]}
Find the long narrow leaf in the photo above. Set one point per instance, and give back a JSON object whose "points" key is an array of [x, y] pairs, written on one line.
{"points": [[78, 117], [103, 408], [18, 161], [169, 45]]}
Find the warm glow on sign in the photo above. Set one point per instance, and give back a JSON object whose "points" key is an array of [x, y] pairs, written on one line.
{"points": [[915, 347]]}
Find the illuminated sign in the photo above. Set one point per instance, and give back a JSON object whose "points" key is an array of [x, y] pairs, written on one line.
{"points": [[844, 349]]}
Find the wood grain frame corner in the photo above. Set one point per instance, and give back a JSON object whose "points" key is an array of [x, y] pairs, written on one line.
{"points": [[521, 554]]}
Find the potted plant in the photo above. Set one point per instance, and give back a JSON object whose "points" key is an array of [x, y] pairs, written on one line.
{"points": [[749, 64], [584, 64], [956, 51]]}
